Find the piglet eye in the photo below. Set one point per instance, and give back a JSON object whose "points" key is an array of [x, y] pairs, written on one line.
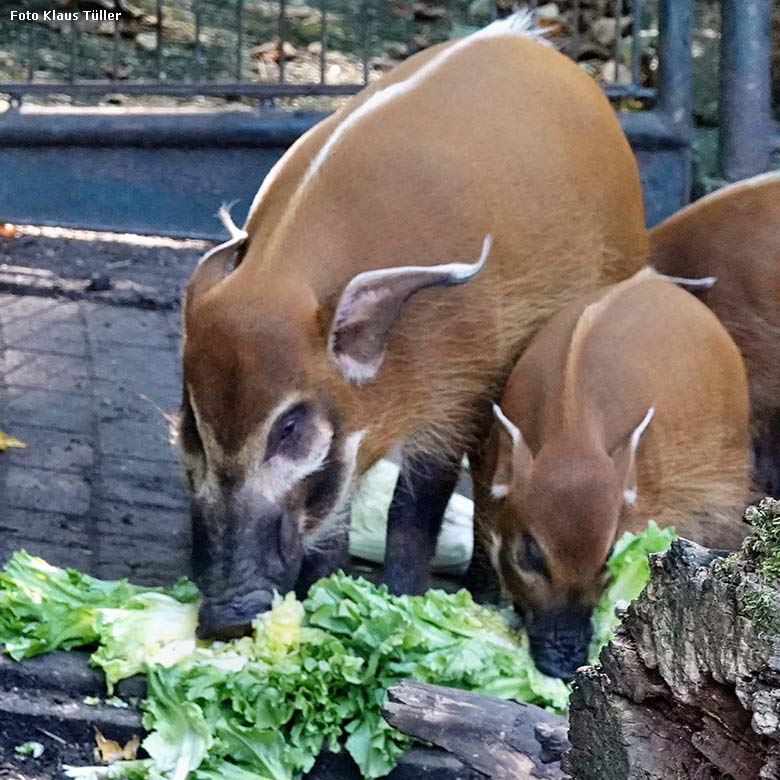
{"points": [[287, 429], [532, 557]]}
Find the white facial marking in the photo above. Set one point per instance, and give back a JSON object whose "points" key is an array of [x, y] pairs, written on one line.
{"points": [[630, 497], [332, 523], [279, 474]]}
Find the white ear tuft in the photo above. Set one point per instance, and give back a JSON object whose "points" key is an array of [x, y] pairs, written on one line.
{"points": [[640, 429], [499, 490], [625, 459], [509, 426], [705, 283]]}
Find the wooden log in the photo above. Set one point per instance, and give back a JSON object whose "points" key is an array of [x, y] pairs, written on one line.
{"points": [[503, 740], [690, 687]]}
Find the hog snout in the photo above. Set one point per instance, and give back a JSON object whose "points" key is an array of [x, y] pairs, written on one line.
{"points": [[243, 551], [559, 640], [232, 619]]}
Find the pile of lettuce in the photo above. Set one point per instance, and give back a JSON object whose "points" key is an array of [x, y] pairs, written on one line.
{"points": [[313, 675]]}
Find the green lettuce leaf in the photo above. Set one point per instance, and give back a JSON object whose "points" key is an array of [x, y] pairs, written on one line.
{"points": [[45, 608], [630, 572], [312, 675], [148, 630]]}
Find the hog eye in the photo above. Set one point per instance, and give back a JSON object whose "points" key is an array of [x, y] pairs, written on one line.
{"points": [[532, 558], [287, 429]]}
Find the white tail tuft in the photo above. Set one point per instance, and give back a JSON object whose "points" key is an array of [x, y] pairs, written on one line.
{"points": [[522, 22]]}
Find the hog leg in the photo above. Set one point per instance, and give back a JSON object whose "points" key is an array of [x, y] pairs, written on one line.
{"points": [[424, 487], [766, 456], [481, 578]]}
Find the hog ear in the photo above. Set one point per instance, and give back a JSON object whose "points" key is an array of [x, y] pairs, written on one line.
{"points": [[514, 458], [218, 262], [624, 458], [371, 304]]}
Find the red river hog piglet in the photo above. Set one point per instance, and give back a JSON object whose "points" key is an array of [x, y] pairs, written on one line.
{"points": [[630, 404]]}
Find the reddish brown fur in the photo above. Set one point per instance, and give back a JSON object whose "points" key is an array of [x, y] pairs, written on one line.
{"points": [[480, 143], [463, 171], [734, 235], [580, 389]]}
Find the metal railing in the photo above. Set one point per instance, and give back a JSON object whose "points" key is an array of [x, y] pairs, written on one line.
{"points": [[196, 73], [112, 169], [748, 134]]}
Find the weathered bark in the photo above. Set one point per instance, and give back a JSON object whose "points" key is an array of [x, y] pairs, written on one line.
{"points": [[502, 740], [690, 688]]}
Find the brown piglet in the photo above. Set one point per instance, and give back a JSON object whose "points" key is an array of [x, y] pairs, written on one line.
{"points": [[630, 404]]}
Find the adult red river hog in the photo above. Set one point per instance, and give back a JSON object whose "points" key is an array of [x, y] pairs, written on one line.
{"points": [[734, 235], [630, 404], [312, 346]]}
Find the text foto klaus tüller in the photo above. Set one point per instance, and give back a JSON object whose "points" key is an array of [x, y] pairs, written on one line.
{"points": [[100, 15]]}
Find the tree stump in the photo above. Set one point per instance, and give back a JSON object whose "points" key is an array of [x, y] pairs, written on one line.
{"points": [[690, 688], [503, 740]]}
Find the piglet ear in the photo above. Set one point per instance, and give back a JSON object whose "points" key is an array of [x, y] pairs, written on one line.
{"points": [[514, 458], [624, 458], [371, 304]]}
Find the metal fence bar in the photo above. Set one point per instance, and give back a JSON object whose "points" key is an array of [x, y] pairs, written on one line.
{"points": [[409, 17], [323, 39], [365, 34], [198, 55], [181, 89], [115, 42], [74, 48], [636, 44], [618, 44], [239, 39], [674, 66], [158, 41], [745, 95], [282, 33], [576, 31], [31, 52]]}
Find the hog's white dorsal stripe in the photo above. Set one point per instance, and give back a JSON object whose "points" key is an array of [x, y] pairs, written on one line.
{"points": [[520, 23], [589, 317]]}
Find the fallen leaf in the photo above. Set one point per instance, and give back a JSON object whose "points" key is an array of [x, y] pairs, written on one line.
{"points": [[107, 751], [33, 749], [7, 441]]}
